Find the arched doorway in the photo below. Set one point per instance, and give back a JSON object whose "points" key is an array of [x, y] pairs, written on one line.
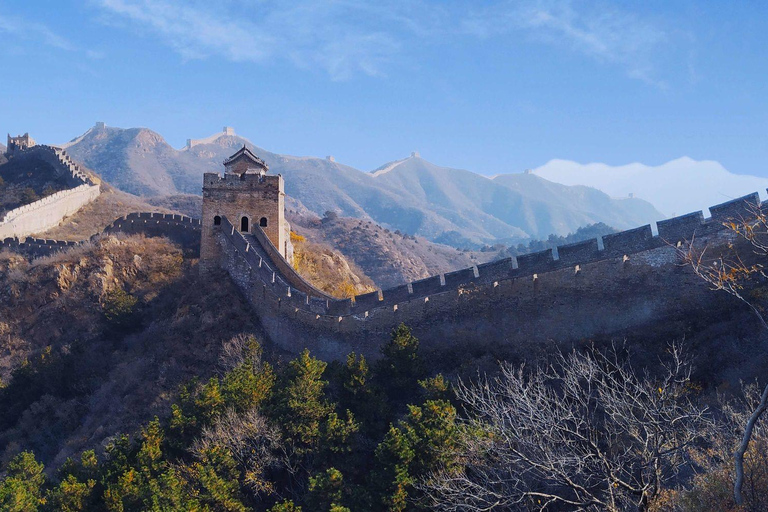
{"points": [[244, 225], [263, 222], [217, 221]]}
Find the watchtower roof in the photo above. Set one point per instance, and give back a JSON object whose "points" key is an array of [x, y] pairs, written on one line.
{"points": [[245, 159]]}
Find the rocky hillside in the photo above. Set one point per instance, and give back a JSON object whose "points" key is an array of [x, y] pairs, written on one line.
{"points": [[412, 195], [24, 183], [110, 331], [389, 257]]}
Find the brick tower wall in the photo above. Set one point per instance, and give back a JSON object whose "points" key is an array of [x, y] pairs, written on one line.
{"points": [[236, 196]]}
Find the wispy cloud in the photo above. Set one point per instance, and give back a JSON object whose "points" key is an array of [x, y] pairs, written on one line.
{"points": [[599, 30], [23, 30], [348, 37], [32, 31]]}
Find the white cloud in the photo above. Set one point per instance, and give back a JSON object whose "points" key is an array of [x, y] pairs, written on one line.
{"points": [[348, 37]]}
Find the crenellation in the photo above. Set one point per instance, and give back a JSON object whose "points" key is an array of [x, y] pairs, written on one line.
{"points": [[367, 301], [736, 209], [632, 240], [458, 278], [579, 252], [680, 228], [535, 261], [395, 295], [495, 270], [427, 286]]}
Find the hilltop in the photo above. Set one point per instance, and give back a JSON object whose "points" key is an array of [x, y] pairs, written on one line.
{"points": [[414, 196], [389, 257]]}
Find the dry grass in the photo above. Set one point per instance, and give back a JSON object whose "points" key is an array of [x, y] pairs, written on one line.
{"points": [[94, 217], [328, 270]]}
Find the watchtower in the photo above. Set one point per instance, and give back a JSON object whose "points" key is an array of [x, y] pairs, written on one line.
{"points": [[18, 143], [248, 197]]}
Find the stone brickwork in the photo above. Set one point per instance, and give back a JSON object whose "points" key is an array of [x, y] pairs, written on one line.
{"points": [[49, 211], [635, 281], [247, 196]]}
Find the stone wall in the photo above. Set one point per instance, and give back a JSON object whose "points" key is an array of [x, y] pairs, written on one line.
{"points": [[49, 211], [181, 229], [579, 291], [236, 196]]}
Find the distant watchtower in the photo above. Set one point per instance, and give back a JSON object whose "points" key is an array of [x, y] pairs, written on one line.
{"points": [[248, 197], [18, 143]]}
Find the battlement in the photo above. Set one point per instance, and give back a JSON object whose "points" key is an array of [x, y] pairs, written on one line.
{"points": [[246, 181], [615, 246]]}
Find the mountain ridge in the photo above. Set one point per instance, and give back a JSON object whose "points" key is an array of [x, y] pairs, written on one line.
{"points": [[413, 195]]}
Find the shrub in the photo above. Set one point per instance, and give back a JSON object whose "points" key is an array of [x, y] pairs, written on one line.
{"points": [[119, 307], [28, 195]]}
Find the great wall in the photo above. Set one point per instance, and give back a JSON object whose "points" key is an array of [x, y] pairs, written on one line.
{"points": [[579, 291], [48, 212], [179, 228], [600, 288]]}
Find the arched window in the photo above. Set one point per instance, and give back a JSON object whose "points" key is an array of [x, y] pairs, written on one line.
{"points": [[263, 222], [217, 221], [244, 224]]}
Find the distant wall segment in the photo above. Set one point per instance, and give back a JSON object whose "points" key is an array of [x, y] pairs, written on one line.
{"points": [[179, 228], [49, 211]]}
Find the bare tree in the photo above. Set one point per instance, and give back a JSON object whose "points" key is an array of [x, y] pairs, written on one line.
{"points": [[252, 441], [730, 273], [585, 432]]}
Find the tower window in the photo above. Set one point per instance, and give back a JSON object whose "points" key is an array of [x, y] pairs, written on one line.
{"points": [[217, 221], [244, 224], [263, 222]]}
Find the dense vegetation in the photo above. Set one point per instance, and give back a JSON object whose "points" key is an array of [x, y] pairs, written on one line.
{"points": [[258, 437], [586, 433]]}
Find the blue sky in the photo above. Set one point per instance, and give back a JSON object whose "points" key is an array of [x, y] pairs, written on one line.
{"points": [[491, 86]]}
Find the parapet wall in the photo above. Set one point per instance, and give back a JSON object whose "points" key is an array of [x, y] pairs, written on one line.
{"points": [[179, 228], [49, 211], [601, 282]]}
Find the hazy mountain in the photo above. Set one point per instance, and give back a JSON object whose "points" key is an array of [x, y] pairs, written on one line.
{"points": [[412, 195], [677, 187]]}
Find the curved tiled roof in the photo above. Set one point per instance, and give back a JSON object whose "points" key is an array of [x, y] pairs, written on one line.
{"points": [[246, 153]]}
